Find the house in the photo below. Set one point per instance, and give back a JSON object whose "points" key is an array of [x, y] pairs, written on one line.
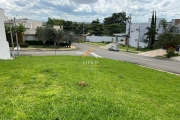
{"points": [[137, 36], [175, 26], [31, 26]]}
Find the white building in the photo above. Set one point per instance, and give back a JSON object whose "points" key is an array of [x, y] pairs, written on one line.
{"points": [[138, 30], [4, 46], [31, 26], [175, 24]]}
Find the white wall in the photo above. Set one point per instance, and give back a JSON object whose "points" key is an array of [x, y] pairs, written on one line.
{"points": [[102, 38], [4, 46], [136, 34]]}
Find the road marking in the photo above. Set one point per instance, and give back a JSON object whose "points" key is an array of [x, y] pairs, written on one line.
{"points": [[92, 53], [95, 55]]}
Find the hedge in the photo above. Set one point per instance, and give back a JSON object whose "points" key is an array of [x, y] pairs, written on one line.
{"points": [[22, 45]]}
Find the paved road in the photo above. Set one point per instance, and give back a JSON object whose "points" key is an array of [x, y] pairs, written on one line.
{"points": [[157, 63]]}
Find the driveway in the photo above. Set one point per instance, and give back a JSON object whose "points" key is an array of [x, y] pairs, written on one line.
{"points": [[155, 53]]}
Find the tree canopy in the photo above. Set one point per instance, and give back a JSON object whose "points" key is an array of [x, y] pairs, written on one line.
{"points": [[168, 39]]}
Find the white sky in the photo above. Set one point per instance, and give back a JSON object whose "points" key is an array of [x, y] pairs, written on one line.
{"points": [[88, 10]]}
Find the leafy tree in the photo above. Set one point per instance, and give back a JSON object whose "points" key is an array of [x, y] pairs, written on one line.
{"points": [[150, 34], [96, 27], [168, 40], [55, 21], [45, 33], [21, 28], [118, 20], [7, 30], [69, 37], [112, 28], [59, 36], [164, 24]]}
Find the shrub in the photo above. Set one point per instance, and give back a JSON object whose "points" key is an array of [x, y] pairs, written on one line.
{"points": [[108, 42], [10, 44], [102, 41], [170, 52], [24, 45], [34, 42]]}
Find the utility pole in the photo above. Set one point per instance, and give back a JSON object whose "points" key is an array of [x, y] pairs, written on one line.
{"points": [[16, 36], [12, 43], [138, 39], [129, 32], [83, 31]]}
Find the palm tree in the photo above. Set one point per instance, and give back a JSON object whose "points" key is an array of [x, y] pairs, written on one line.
{"points": [[150, 34], [20, 30], [164, 24]]}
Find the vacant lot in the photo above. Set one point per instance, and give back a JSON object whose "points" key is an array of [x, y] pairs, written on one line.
{"points": [[47, 88]]}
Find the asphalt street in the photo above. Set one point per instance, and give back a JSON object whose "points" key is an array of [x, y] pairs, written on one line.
{"points": [[157, 63]]}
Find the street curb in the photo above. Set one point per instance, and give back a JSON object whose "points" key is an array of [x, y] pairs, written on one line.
{"points": [[159, 70]]}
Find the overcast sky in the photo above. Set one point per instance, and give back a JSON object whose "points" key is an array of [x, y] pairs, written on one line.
{"points": [[88, 10]]}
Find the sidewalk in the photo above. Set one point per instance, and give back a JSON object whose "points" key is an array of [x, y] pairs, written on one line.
{"points": [[156, 53], [48, 49]]}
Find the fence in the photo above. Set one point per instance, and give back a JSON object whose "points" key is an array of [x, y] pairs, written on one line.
{"points": [[99, 38]]}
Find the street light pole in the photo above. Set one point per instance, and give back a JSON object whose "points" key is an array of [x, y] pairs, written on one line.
{"points": [[129, 33], [138, 39], [83, 31], [16, 36], [12, 43]]}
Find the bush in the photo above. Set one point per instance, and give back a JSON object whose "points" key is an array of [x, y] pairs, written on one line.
{"points": [[24, 45], [102, 41], [10, 44], [108, 42], [34, 42], [170, 52]]}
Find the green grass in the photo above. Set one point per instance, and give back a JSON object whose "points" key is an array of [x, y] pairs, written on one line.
{"points": [[46, 46], [45, 88], [125, 48], [97, 43]]}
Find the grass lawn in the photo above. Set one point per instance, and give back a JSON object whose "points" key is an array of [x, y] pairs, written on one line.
{"points": [[97, 43], [46, 88], [46, 46], [135, 49], [125, 48]]}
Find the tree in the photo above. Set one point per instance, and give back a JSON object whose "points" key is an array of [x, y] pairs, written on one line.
{"points": [[163, 23], [117, 20], [59, 36], [153, 26], [168, 40], [45, 33], [7, 30], [69, 37], [20, 28], [96, 28], [112, 28], [150, 34]]}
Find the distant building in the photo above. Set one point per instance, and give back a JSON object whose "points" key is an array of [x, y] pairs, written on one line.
{"points": [[31, 26], [175, 26], [138, 30]]}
